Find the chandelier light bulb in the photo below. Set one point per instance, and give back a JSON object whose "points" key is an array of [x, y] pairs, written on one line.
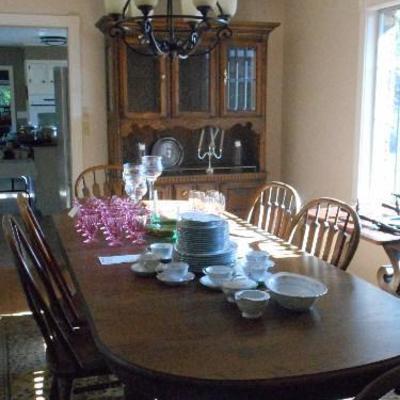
{"points": [[228, 7], [114, 6], [204, 3], [146, 3]]}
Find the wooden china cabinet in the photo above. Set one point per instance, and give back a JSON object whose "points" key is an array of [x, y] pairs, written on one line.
{"points": [[153, 98]]}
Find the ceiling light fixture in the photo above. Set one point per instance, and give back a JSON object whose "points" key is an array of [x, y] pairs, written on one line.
{"points": [[198, 29], [53, 40]]}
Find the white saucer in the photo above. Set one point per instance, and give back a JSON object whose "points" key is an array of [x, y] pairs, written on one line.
{"points": [[166, 278], [140, 270], [207, 282]]}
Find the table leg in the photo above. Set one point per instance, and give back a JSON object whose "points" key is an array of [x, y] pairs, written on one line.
{"points": [[389, 276]]}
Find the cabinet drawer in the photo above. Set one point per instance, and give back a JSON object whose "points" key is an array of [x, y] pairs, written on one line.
{"points": [[203, 187], [238, 198], [164, 192]]}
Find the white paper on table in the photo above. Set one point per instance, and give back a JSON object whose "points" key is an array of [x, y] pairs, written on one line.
{"points": [[112, 260]]}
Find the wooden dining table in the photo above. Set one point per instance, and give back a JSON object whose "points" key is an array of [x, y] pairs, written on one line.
{"points": [[188, 342]]}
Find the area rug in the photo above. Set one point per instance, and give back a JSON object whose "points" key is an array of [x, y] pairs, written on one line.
{"points": [[23, 369]]}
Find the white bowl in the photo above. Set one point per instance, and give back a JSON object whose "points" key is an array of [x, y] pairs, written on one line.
{"points": [[218, 273], [149, 261], [295, 292], [257, 256], [163, 251], [177, 270], [252, 303]]}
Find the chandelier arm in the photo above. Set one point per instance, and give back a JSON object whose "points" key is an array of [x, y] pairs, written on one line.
{"points": [[149, 35], [125, 9], [222, 34]]}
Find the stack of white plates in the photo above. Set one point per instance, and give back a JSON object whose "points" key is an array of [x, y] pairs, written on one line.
{"points": [[203, 240], [198, 261]]}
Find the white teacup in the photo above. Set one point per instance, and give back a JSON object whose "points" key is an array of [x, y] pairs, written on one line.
{"points": [[149, 261], [162, 250], [218, 273], [257, 257], [177, 270], [251, 303]]}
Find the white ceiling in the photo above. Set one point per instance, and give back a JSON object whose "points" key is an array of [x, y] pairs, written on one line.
{"points": [[21, 37]]}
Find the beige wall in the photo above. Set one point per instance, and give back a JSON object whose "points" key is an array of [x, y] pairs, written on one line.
{"points": [[271, 11], [321, 67]]}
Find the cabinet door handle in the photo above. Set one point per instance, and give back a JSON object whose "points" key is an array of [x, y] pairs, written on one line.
{"points": [[163, 77], [185, 193]]}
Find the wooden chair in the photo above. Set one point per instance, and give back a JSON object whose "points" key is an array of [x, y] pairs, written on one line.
{"points": [[327, 228], [380, 386], [99, 181], [69, 356], [274, 208], [68, 295]]}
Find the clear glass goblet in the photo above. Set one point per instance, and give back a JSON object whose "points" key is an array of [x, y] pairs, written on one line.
{"points": [[135, 181], [153, 168]]}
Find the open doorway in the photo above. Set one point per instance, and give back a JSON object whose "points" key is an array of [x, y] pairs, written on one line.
{"points": [[35, 143], [7, 102]]}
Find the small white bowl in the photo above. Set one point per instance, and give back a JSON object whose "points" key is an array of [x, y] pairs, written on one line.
{"points": [[231, 286], [177, 270], [218, 273], [295, 292], [252, 303], [162, 250], [149, 261], [257, 256]]}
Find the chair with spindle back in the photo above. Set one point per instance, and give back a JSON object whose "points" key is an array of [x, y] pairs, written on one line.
{"points": [[66, 292], [274, 207], [381, 386], [99, 181], [327, 228], [70, 355]]}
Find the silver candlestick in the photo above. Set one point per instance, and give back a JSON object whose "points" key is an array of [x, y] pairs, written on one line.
{"points": [[212, 152]]}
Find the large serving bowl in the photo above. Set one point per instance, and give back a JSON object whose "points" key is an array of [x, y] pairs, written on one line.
{"points": [[295, 292]]}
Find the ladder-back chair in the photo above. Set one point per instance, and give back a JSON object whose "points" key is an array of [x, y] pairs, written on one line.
{"points": [[274, 207], [99, 181], [327, 228], [69, 355]]}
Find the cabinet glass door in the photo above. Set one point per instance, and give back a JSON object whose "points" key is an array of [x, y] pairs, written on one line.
{"points": [[241, 79], [144, 85], [194, 85]]}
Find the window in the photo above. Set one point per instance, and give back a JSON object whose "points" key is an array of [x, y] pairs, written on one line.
{"points": [[379, 173]]}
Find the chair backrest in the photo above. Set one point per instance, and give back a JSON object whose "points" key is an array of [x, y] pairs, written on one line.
{"points": [[327, 228], [40, 296], [49, 262], [381, 385], [99, 181], [274, 207]]}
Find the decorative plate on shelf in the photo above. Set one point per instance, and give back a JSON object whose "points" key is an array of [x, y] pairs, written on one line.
{"points": [[170, 150]]}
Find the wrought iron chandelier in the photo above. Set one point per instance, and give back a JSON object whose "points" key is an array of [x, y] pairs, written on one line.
{"points": [[197, 30]]}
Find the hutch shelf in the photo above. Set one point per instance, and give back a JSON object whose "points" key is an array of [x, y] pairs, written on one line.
{"points": [[152, 98]]}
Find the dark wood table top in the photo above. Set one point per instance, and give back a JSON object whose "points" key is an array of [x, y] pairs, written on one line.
{"points": [[191, 334]]}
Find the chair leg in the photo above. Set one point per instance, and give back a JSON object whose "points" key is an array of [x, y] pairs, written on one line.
{"points": [[54, 389], [61, 388]]}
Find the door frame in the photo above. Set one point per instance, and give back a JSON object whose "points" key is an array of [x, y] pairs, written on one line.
{"points": [[10, 70], [72, 24]]}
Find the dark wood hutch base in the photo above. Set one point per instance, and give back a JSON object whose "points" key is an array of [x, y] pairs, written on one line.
{"points": [[151, 98]]}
